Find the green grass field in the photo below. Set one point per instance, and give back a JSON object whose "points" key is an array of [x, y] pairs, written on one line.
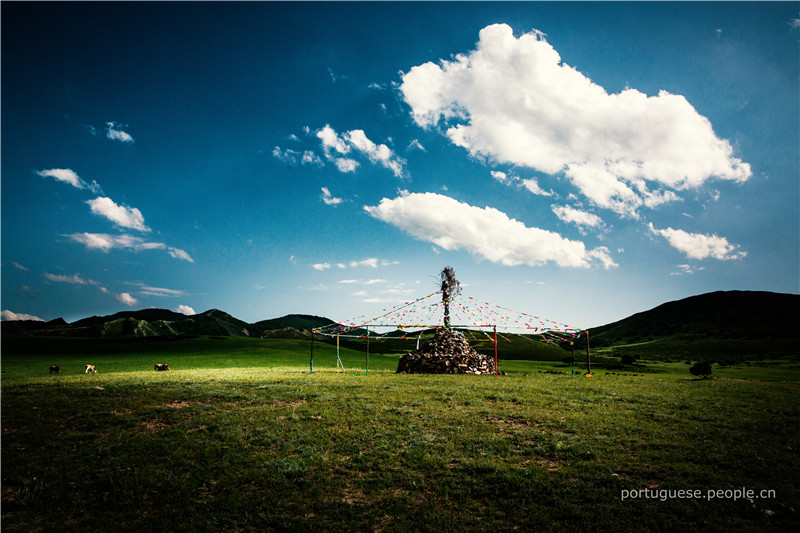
{"points": [[236, 437]]}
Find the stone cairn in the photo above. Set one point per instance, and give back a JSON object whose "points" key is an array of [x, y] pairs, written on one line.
{"points": [[447, 353]]}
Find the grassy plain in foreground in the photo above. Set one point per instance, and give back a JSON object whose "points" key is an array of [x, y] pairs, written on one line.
{"points": [[237, 437]]}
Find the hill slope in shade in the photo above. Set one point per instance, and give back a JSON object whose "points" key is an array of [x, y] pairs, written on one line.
{"points": [[722, 315]]}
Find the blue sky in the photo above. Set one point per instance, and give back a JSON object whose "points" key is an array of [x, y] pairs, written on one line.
{"points": [[578, 161]]}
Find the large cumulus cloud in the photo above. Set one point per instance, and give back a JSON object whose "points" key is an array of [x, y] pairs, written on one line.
{"points": [[513, 101]]}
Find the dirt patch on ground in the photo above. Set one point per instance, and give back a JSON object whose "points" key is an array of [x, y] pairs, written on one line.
{"points": [[153, 426]]}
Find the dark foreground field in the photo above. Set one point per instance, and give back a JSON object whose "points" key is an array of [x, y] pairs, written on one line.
{"points": [[236, 438]]}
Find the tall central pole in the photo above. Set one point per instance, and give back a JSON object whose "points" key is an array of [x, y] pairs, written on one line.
{"points": [[495, 351], [588, 359]]}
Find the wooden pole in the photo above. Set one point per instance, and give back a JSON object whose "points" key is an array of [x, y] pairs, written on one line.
{"points": [[588, 358], [495, 351], [368, 351], [311, 363], [572, 356]]}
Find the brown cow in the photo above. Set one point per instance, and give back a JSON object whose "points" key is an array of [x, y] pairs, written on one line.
{"points": [[54, 369], [90, 368], [161, 366]]}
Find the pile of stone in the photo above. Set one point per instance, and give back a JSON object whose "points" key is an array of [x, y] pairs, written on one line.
{"points": [[447, 353]]}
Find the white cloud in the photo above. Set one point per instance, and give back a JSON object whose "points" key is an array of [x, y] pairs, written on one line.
{"points": [[331, 141], [576, 216], [371, 262], [374, 281], [502, 177], [177, 253], [328, 198], [10, 316], [321, 266], [533, 187], [74, 279], [346, 165], [698, 245], [115, 134], [123, 216], [69, 176], [159, 291], [186, 310], [105, 242], [20, 266], [288, 155], [530, 184], [685, 269], [416, 145], [127, 299], [512, 100], [348, 281], [310, 158], [292, 157], [356, 141], [485, 232]]}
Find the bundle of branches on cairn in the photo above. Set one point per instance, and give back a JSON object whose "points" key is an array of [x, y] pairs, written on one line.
{"points": [[448, 352]]}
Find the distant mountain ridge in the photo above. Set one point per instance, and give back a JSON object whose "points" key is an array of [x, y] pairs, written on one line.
{"points": [[721, 315], [165, 323]]}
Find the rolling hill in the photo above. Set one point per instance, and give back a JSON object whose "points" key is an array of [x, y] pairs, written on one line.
{"points": [[724, 325]]}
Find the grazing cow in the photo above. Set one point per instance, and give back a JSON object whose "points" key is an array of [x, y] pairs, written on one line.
{"points": [[90, 368], [54, 369], [162, 366]]}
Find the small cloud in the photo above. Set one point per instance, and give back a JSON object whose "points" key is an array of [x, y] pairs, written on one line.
{"points": [[20, 266], [122, 216], [115, 134], [105, 242], [685, 269], [372, 262], [74, 279], [348, 281], [310, 158], [12, 316], [346, 165], [336, 77], [502, 177], [127, 299], [288, 156], [374, 281], [576, 216], [67, 175], [416, 145], [698, 245], [177, 253], [186, 310], [357, 141], [533, 186], [530, 184], [794, 23], [160, 291], [328, 198], [321, 266]]}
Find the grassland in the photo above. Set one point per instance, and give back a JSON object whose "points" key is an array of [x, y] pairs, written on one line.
{"points": [[237, 438]]}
